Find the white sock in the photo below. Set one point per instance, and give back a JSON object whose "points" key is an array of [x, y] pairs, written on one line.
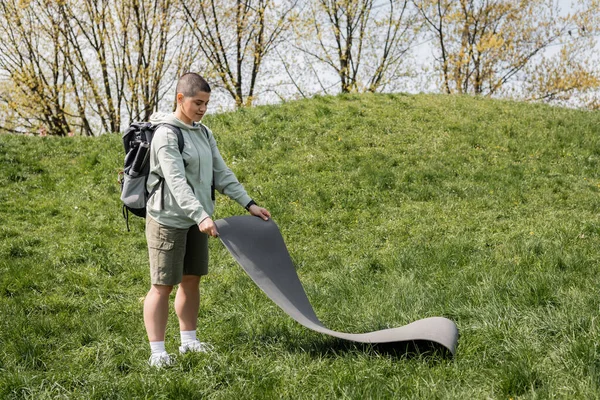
{"points": [[157, 347], [187, 337]]}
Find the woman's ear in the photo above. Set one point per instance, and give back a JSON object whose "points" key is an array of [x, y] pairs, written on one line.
{"points": [[180, 98]]}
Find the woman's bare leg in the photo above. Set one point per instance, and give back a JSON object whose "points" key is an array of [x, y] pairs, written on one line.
{"points": [[156, 312], [187, 302]]}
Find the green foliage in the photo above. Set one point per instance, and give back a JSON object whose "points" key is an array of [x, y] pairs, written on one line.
{"points": [[393, 207]]}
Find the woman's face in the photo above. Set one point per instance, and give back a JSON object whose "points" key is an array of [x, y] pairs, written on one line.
{"points": [[193, 108]]}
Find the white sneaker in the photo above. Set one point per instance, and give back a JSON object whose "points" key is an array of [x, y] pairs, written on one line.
{"points": [[196, 347], [160, 360]]}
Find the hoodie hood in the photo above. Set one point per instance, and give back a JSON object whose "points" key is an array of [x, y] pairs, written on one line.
{"points": [[170, 118]]}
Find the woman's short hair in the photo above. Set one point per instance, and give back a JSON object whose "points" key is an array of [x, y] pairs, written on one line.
{"points": [[191, 83]]}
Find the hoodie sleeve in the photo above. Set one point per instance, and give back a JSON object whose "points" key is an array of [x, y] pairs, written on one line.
{"points": [[173, 169], [225, 180]]}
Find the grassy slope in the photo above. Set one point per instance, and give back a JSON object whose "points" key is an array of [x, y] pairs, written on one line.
{"points": [[393, 207]]}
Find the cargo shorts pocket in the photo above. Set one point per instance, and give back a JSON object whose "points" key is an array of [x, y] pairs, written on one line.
{"points": [[159, 244], [166, 261]]}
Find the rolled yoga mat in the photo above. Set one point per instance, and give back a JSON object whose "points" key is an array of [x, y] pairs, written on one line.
{"points": [[258, 247]]}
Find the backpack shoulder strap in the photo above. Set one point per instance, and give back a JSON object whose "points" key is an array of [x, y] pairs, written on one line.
{"points": [[177, 131]]}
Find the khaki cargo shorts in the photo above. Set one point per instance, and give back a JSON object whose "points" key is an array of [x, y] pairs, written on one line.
{"points": [[175, 252]]}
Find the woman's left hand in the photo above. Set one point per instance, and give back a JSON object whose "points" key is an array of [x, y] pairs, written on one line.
{"points": [[259, 212]]}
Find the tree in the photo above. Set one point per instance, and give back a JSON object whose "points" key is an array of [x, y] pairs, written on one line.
{"points": [[126, 52], [33, 61], [87, 64], [235, 37], [86, 27], [154, 42], [364, 43], [570, 75], [484, 46]]}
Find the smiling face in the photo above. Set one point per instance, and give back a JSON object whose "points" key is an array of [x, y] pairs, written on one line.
{"points": [[192, 109]]}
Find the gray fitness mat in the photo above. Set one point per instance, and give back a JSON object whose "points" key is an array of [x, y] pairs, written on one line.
{"points": [[258, 247]]}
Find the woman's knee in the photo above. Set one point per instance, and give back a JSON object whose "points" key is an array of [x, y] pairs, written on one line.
{"points": [[161, 290], [190, 282]]}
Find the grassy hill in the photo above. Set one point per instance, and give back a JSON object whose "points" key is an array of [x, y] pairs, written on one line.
{"points": [[393, 207]]}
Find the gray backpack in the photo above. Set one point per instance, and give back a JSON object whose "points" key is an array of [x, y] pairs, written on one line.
{"points": [[136, 168]]}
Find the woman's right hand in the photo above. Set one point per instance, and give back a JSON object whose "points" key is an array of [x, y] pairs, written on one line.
{"points": [[208, 226]]}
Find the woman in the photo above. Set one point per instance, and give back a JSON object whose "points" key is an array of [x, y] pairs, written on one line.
{"points": [[178, 220]]}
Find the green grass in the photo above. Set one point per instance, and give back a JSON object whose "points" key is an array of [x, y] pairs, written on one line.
{"points": [[393, 207]]}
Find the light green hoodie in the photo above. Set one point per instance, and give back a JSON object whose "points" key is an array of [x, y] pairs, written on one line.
{"points": [[186, 193]]}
